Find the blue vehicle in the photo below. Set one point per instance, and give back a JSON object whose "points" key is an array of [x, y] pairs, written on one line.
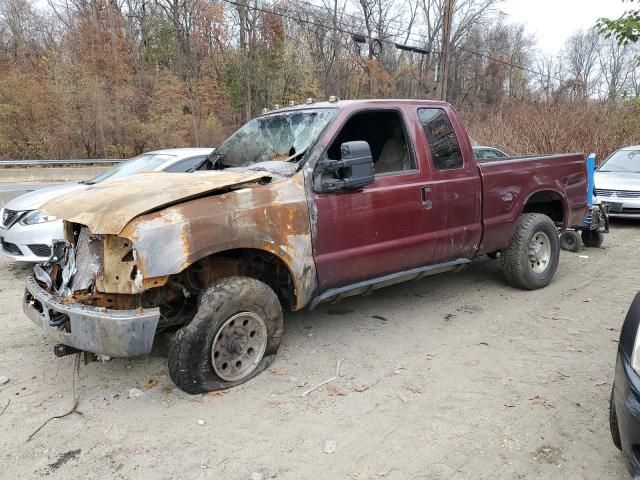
{"points": [[595, 224]]}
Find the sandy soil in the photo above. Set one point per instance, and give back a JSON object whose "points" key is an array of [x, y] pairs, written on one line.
{"points": [[457, 376]]}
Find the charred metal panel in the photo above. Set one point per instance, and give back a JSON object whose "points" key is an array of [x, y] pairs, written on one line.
{"points": [[272, 218], [108, 206]]}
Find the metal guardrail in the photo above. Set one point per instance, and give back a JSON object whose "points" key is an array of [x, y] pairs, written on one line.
{"points": [[57, 163]]}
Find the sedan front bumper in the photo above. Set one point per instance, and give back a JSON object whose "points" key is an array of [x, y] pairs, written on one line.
{"points": [[116, 333], [621, 206], [30, 243]]}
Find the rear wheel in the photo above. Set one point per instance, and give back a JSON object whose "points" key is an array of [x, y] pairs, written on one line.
{"points": [[234, 335], [613, 422], [531, 259], [570, 240], [592, 238]]}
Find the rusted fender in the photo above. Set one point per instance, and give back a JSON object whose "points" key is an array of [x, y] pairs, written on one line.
{"points": [[108, 206], [272, 217]]}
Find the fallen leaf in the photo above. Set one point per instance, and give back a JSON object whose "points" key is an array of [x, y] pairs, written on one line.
{"points": [[277, 371], [413, 388], [335, 391], [538, 400], [600, 383], [510, 405], [360, 388], [150, 384], [429, 356]]}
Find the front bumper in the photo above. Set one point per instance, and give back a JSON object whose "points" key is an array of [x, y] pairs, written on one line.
{"points": [[30, 243], [626, 387], [621, 206], [116, 333]]}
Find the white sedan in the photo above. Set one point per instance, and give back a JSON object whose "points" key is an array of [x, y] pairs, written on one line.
{"points": [[26, 234], [617, 183]]}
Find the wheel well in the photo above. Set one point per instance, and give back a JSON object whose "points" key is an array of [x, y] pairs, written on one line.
{"points": [[548, 203], [254, 263]]}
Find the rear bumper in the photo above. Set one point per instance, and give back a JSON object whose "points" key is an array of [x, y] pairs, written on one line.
{"points": [[117, 333], [627, 401]]}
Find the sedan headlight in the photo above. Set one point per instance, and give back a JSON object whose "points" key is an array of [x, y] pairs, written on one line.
{"points": [[36, 217]]}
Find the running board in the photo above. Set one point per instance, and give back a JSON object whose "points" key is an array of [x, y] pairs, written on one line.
{"points": [[367, 286]]}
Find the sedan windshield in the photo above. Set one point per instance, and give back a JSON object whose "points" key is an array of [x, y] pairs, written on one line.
{"points": [[147, 162], [627, 161], [280, 136]]}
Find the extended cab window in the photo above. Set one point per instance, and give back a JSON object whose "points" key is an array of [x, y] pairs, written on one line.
{"points": [[385, 133], [443, 143]]}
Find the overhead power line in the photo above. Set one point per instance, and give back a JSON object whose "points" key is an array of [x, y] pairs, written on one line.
{"points": [[339, 27]]}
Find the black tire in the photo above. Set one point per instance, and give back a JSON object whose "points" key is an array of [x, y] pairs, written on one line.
{"points": [[592, 238], [570, 241], [516, 262], [191, 357], [613, 423]]}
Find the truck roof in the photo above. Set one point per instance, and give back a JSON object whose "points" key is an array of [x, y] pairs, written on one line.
{"points": [[364, 103]]}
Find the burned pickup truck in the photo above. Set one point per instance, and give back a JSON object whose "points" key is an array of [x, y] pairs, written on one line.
{"points": [[301, 205]]}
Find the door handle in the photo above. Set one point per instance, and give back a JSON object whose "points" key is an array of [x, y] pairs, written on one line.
{"points": [[426, 197]]}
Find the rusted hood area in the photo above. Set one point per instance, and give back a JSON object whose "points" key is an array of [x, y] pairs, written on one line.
{"points": [[107, 207]]}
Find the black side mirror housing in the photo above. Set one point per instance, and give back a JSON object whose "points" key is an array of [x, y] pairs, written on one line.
{"points": [[353, 171]]}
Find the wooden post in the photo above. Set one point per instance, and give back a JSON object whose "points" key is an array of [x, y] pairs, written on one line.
{"points": [[447, 13]]}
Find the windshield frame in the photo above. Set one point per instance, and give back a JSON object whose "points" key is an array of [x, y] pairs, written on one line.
{"points": [[299, 157], [164, 157], [629, 151]]}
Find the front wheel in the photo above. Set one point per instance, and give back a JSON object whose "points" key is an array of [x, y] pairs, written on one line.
{"points": [[531, 259], [234, 335]]}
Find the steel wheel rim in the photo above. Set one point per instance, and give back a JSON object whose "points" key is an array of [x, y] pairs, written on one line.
{"points": [[238, 346], [569, 240], [539, 252]]}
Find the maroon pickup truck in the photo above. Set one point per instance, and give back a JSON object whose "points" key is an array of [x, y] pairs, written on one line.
{"points": [[300, 206]]}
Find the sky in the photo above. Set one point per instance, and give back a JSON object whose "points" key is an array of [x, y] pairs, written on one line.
{"points": [[554, 21]]}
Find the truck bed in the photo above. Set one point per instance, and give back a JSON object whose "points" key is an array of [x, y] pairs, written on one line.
{"points": [[510, 183]]}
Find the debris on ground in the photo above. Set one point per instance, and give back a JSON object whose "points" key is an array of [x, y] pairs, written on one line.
{"points": [[329, 380], [134, 392], [549, 455], [330, 446], [256, 476], [204, 464], [201, 422], [335, 391], [360, 388], [538, 400], [3, 380], [64, 458], [150, 383]]}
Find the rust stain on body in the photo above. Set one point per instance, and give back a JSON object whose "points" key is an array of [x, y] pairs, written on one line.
{"points": [[272, 218]]}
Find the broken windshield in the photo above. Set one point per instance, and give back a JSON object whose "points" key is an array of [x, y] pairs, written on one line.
{"points": [[280, 136]]}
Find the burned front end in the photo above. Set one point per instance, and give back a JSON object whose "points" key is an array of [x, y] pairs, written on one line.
{"points": [[84, 299]]}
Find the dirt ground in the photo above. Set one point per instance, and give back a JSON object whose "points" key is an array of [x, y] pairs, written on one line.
{"points": [[456, 376]]}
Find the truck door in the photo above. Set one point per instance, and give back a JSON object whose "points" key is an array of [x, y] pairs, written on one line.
{"points": [[380, 229], [456, 188]]}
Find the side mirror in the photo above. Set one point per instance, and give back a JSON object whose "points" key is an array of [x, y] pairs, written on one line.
{"points": [[353, 171]]}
